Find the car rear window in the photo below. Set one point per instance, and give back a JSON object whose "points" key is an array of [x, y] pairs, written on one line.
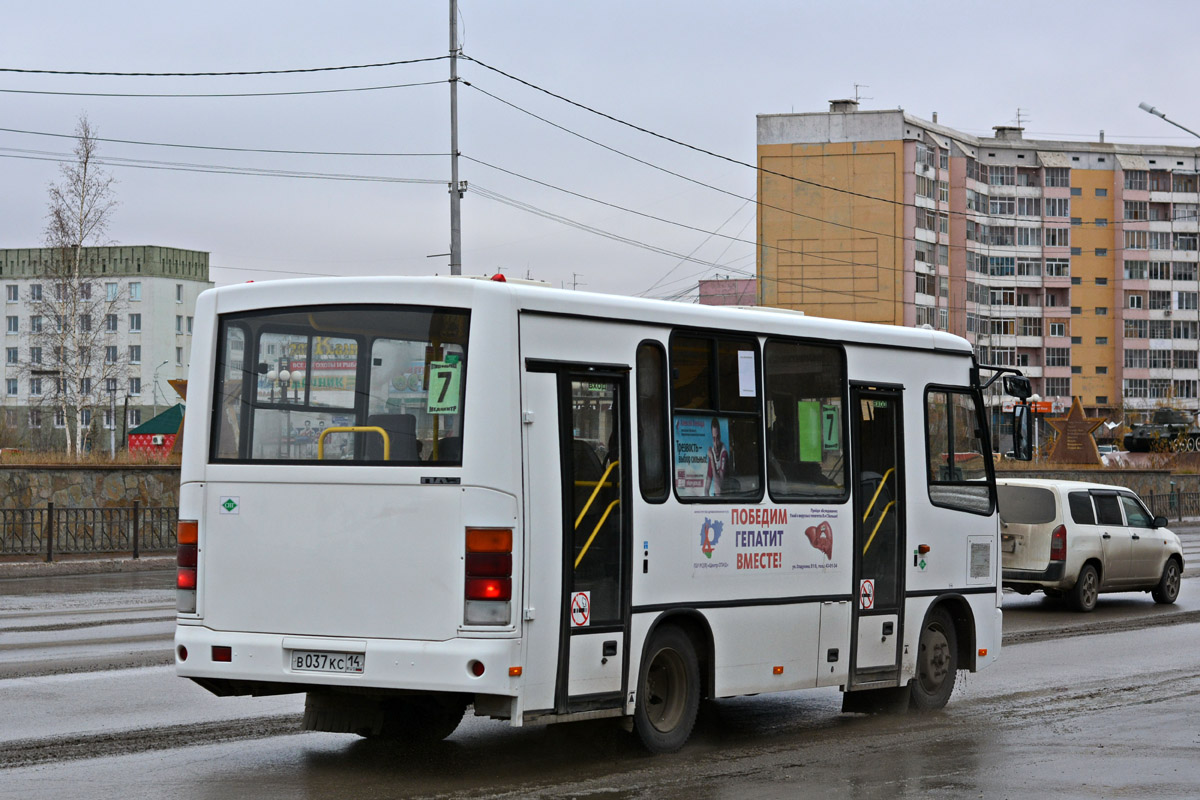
{"points": [[1025, 505], [1108, 510], [1081, 508]]}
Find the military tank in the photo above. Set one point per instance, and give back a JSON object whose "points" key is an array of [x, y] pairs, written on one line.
{"points": [[1169, 430]]}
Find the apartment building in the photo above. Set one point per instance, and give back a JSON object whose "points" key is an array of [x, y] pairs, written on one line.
{"points": [[1076, 261], [144, 337]]}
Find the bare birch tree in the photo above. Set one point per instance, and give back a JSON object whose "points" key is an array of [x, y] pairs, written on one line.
{"points": [[72, 315]]}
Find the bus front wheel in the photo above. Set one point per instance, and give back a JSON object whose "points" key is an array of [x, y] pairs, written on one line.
{"points": [[937, 663], [668, 692]]}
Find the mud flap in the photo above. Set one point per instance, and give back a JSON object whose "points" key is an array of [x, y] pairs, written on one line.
{"points": [[892, 700]]}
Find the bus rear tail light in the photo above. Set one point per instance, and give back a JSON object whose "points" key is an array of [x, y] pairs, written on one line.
{"points": [[488, 576], [1058, 544], [187, 557]]}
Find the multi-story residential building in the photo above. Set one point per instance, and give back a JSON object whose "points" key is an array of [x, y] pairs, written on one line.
{"points": [[150, 296], [1076, 261]]}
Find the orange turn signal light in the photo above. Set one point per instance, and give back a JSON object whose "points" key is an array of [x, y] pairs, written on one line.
{"points": [[982, 651], [777, 670], [187, 531], [514, 672], [489, 540]]}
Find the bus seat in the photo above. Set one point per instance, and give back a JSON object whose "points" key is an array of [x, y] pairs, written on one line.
{"points": [[402, 435], [450, 448]]}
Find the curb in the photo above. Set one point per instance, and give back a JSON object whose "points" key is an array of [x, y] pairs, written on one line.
{"points": [[88, 566]]}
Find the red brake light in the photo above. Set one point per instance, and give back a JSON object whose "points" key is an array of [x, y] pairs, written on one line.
{"points": [[1058, 544], [489, 588], [489, 565], [185, 578], [222, 653]]}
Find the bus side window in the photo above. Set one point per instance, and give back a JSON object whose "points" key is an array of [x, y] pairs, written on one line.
{"points": [[958, 465], [805, 384], [651, 421], [716, 417]]}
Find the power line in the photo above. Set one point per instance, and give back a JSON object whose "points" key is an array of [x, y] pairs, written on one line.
{"points": [[219, 74], [729, 159], [224, 149], [33, 155], [226, 94]]}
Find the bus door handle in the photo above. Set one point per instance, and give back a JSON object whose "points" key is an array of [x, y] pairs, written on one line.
{"points": [[610, 647], [888, 628], [1135, 537], [1106, 535]]}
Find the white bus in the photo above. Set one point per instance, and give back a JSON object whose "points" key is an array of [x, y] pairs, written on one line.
{"points": [[405, 497]]}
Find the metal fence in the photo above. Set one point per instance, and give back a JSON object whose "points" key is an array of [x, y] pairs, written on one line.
{"points": [[54, 531], [1175, 506]]}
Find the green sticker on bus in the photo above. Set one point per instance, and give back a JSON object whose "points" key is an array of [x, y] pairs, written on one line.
{"points": [[808, 429], [445, 381]]}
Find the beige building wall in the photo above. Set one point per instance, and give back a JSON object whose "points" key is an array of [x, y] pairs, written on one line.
{"points": [[827, 252]]}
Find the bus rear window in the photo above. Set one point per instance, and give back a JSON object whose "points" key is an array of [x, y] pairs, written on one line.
{"points": [[341, 385]]}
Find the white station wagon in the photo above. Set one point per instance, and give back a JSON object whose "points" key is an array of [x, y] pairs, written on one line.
{"points": [[1076, 540]]}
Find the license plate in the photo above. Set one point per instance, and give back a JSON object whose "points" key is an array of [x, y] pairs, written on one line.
{"points": [[317, 661]]}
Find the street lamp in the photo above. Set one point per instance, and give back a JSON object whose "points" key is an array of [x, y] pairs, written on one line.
{"points": [[1149, 109], [156, 369]]}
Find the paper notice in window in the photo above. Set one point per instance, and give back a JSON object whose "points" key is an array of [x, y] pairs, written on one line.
{"points": [[444, 384], [747, 385]]}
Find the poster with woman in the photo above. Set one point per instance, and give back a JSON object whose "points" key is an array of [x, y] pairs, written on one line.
{"points": [[702, 457]]}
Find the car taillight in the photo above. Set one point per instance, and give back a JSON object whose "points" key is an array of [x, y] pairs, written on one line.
{"points": [[187, 556], [488, 576], [1058, 544]]}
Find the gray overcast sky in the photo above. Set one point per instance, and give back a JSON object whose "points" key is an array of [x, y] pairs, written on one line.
{"points": [[697, 72]]}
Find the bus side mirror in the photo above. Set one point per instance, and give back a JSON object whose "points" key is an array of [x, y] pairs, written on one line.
{"points": [[1018, 386], [1022, 433]]}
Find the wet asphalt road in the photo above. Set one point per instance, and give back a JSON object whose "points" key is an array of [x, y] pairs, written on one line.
{"points": [[1069, 711]]}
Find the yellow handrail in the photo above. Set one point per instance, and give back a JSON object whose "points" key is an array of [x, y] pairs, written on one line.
{"points": [[882, 481], [882, 516], [595, 530], [596, 491], [387, 443]]}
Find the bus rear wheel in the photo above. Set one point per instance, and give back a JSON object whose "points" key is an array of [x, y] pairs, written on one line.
{"points": [[937, 663], [668, 692]]}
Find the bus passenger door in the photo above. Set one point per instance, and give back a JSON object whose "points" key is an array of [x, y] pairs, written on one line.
{"points": [[593, 435], [879, 535]]}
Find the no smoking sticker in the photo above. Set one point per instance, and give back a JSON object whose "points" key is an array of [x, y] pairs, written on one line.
{"points": [[866, 594], [581, 609]]}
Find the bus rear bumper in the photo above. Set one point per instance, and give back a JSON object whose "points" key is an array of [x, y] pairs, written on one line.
{"points": [[261, 664]]}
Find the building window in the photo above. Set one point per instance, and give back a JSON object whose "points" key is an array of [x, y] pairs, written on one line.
{"points": [[1076, 191], [179, 293], [110, 385], [1076, 310], [1137, 210], [1101, 251], [1058, 356], [1102, 193], [947, 261], [11, 385], [1135, 271], [109, 418], [60, 418], [110, 354], [1136, 179], [135, 291], [111, 291], [35, 323], [12, 325], [1101, 340], [35, 418], [12, 293], [85, 417], [135, 417], [135, 354], [85, 323], [178, 324], [35, 291], [1101, 222], [35, 355], [110, 323], [1058, 329], [1058, 207], [135, 323], [1136, 328], [1136, 240], [179, 355], [1058, 387], [1059, 177], [11, 355], [135, 387], [1101, 311]]}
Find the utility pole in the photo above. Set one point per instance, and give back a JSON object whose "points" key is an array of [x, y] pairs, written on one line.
{"points": [[455, 192]]}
